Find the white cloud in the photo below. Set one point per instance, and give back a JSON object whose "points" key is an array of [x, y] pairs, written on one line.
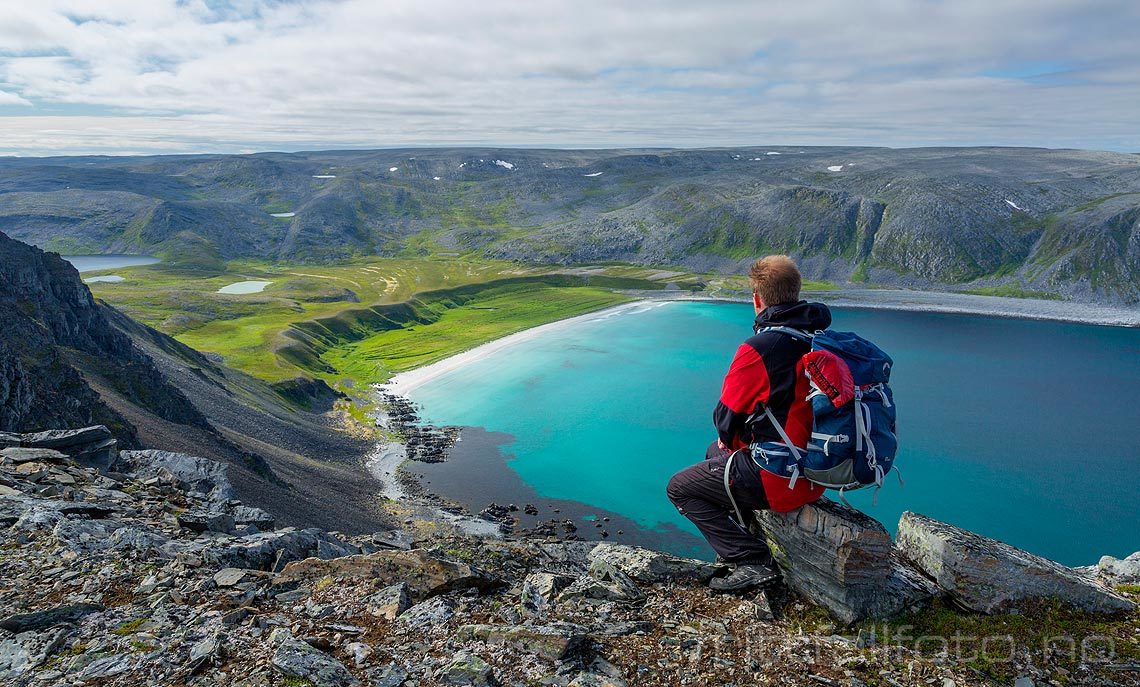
{"points": [[13, 99], [163, 75]]}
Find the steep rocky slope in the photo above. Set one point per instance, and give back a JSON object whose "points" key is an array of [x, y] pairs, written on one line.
{"points": [[53, 329], [67, 360], [1060, 221]]}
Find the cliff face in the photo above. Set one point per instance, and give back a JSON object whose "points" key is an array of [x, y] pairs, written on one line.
{"points": [[53, 334], [67, 361]]}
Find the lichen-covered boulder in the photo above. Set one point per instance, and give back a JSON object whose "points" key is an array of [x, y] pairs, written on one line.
{"points": [[426, 573], [390, 601], [1118, 571], [436, 610], [556, 641], [990, 576], [295, 658], [540, 589], [466, 669], [646, 566]]}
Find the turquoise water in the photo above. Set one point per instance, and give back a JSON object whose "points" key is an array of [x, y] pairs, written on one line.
{"points": [[1021, 430]]}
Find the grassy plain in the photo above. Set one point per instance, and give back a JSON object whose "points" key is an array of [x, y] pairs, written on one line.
{"points": [[500, 313], [245, 330]]}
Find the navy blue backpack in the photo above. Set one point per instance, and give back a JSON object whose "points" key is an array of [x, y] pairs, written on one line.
{"points": [[853, 442]]}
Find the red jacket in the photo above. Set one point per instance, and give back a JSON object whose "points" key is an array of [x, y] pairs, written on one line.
{"points": [[767, 370]]}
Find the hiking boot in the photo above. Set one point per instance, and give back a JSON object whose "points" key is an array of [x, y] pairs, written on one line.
{"points": [[744, 577]]}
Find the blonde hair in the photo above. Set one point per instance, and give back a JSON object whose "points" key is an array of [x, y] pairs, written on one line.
{"points": [[776, 279]]}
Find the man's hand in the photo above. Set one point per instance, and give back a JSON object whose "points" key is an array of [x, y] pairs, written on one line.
{"points": [[721, 444]]}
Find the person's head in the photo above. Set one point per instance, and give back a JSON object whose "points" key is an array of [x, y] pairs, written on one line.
{"points": [[775, 280]]}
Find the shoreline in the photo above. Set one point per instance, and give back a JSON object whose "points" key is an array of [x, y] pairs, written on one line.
{"points": [[952, 303], [405, 382]]}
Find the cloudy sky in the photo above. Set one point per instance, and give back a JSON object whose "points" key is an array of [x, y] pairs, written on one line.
{"points": [[154, 76]]}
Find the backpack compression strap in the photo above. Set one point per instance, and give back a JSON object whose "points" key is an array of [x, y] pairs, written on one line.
{"points": [[728, 488]]}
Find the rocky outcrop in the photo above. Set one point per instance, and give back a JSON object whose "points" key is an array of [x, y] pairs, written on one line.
{"points": [[844, 561], [1117, 571], [643, 565], [425, 573], [297, 659], [988, 576], [101, 584], [54, 335]]}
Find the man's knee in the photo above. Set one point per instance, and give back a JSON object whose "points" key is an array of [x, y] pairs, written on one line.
{"points": [[675, 489]]}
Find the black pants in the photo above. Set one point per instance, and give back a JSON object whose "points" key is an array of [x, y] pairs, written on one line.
{"points": [[698, 493]]}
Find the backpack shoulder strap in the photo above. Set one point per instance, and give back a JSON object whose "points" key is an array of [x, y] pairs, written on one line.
{"points": [[806, 337]]}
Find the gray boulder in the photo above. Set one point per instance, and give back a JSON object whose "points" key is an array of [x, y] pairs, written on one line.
{"points": [[20, 455], [393, 539], [248, 516], [41, 620], [265, 550], [649, 567], [990, 576], [105, 667], [67, 439], [390, 601], [466, 669], [28, 650], [604, 582], [843, 560], [206, 521], [1116, 571], [540, 589], [295, 658], [137, 539], [436, 610], [91, 446], [191, 474], [554, 642]]}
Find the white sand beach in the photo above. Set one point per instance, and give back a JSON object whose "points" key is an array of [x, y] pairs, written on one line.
{"points": [[406, 381]]}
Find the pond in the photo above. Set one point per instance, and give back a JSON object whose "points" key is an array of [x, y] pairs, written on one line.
{"points": [[244, 287], [94, 263]]}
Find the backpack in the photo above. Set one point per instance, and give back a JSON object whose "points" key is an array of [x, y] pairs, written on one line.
{"points": [[853, 442]]}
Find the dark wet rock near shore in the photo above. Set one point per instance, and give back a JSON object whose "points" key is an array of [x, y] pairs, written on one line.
{"points": [[422, 442]]}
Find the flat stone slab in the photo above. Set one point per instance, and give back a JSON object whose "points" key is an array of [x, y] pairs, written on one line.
{"points": [[554, 642], [990, 576], [426, 574], [297, 659], [67, 438], [646, 566], [21, 455], [41, 620], [843, 560]]}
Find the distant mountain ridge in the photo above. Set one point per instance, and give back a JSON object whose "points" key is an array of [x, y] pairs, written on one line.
{"points": [[1062, 222]]}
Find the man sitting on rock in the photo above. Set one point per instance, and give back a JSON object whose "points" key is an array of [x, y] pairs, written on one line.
{"points": [[766, 372]]}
